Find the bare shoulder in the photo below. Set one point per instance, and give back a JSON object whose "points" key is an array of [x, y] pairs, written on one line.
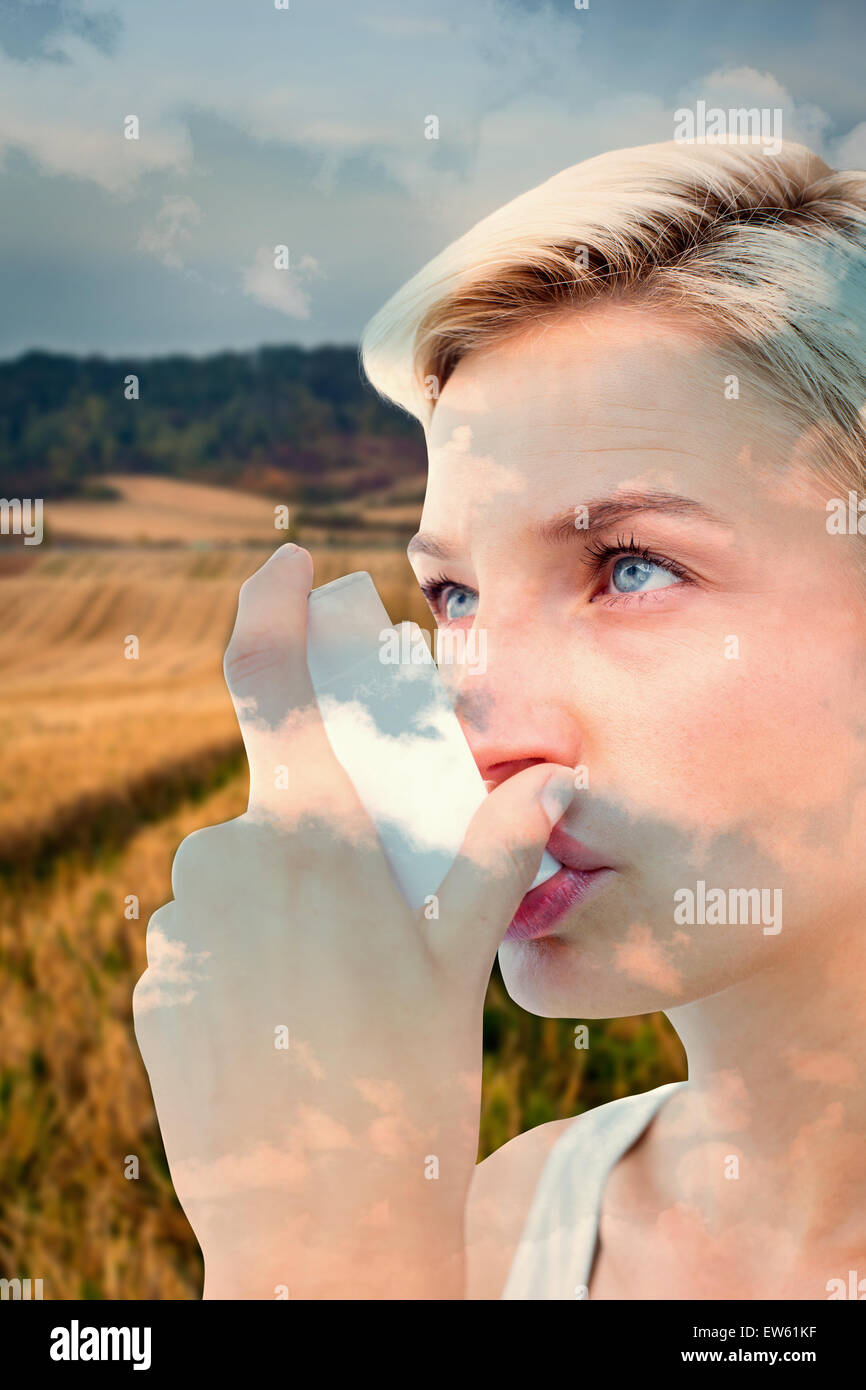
{"points": [[500, 1196]]}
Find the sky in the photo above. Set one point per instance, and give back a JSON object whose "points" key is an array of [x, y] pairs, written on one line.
{"points": [[305, 127]]}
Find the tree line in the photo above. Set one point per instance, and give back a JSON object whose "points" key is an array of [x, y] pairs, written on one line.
{"points": [[231, 418]]}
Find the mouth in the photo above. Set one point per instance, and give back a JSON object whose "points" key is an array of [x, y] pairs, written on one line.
{"points": [[582, 874]]}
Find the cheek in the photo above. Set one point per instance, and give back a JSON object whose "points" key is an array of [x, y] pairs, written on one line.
{"points": [[771, 737]]}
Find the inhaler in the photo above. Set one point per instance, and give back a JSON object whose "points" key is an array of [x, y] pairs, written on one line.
{"points": [[391, 724]]}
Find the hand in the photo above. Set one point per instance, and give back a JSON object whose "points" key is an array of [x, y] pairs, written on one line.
{"points": [[313, 1044]]}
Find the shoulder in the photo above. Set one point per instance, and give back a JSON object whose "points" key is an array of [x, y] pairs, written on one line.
{"points": [[500, 1196], [504, 1185]]}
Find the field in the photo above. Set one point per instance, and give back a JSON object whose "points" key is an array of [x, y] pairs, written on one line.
{"points": [[107, 764], [84, 728], [167, 511]]}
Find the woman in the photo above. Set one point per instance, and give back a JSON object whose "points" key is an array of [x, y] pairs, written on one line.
{"points": [[641, 385]]}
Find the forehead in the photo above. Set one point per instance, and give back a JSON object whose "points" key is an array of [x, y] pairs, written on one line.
{"points": [[597, 370], [615, 396]]}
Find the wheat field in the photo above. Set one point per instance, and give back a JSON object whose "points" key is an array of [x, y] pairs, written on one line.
{"points": [[159, 510], [81, 724]]}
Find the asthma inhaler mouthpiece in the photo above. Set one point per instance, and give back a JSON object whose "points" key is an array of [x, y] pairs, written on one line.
{"points": [[346, 621]]}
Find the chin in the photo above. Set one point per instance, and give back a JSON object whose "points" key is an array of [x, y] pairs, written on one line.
{"points": [[560, 977], [554, 978]]}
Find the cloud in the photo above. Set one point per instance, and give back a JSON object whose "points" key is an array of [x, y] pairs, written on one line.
{"points": [[824, 1068], [306, 1056], [171, 226], [427, 814], [731, 87], [804, 122], [642, 958], [333, 127], [29, 31], [172, 973], [281, 1166], [263, 1167], [280, 289], [849, 152], [70, 121]]}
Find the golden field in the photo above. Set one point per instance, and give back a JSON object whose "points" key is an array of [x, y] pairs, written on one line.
{"points": [[107, 765], [163, 510], [80, 724]]}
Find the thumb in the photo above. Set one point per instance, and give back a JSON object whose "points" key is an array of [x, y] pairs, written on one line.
{"points": [[498, 860]]}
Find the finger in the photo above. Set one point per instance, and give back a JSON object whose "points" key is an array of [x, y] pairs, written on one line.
{"points": [[293, 769], [498, 860]]}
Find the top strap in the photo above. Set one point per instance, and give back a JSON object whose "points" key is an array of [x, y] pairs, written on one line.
{"points": [[557, 1246]]}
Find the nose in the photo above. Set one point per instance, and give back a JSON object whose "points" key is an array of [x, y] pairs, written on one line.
{"points": [[517, 712]]}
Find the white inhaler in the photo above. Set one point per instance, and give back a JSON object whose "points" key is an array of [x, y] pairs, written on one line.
{"points": [[392, 725]]}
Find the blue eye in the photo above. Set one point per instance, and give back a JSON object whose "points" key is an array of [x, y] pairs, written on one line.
{"points": [[456, 604], [449, 600], [632, 575]]}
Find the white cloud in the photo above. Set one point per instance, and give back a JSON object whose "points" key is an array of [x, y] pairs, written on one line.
{"points": [[732, 87], [79, 151], [331, 124], [172, 973], [430, 815], [68, 118], [850, 151], [265, 1166], [280, 289], [170, 228], [281, 1166]]}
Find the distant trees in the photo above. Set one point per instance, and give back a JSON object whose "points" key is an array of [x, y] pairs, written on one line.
{"points": [[228, 417]]}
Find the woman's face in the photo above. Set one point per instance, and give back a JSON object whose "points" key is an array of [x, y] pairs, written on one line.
{"points": [[711, 686]]}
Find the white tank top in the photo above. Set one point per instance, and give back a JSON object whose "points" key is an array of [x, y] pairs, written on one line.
{"points": [[557, 1246]]}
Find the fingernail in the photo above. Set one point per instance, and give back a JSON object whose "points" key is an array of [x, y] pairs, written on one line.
{"points": [[557, 795]]}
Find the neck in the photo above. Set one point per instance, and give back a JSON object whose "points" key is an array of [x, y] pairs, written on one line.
{"points": [[776, 1063]]}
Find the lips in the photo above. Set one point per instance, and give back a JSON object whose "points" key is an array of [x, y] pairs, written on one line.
{"points": [[544, 907], [572, 853]]}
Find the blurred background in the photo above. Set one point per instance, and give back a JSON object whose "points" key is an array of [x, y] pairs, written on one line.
{"points": [[151, 257]]}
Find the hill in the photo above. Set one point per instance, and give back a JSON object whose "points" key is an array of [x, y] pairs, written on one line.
{"points": [[301, 424]]}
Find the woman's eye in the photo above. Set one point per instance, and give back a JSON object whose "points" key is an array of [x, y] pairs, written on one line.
{"points": [[456, 603], [632, 575]]}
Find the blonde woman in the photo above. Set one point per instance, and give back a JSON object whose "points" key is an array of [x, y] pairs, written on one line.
{"points": [[641, 385]]}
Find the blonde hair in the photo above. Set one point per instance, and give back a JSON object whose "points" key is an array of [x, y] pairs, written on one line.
{"points": [[769, 251]]}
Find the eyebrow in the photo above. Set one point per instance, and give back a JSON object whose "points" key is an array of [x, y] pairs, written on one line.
{"points": [[601, 512]]}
